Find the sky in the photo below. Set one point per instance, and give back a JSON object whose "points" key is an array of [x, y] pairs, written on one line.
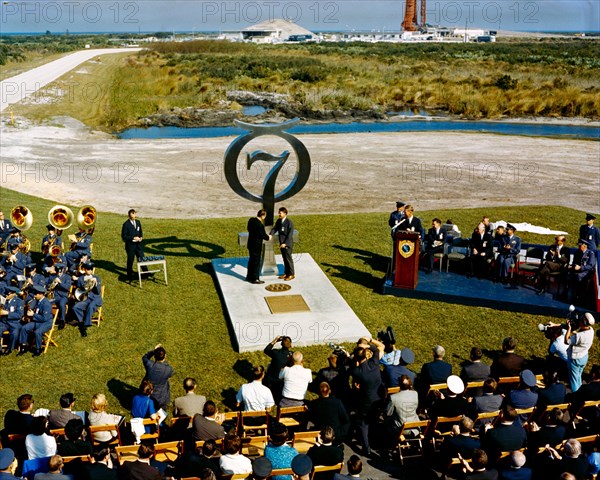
{"points": [[317, 15]]}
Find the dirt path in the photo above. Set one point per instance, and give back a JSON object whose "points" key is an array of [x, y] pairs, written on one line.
{"points": [[184, 178]]}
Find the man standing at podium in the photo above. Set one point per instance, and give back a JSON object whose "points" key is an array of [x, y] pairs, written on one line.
{"points": [[256, 235], [284, 228], [132, 235], [412, 223]]}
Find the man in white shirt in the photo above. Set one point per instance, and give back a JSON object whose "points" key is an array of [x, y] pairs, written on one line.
{"points": [[295, 382], [254, 395]]}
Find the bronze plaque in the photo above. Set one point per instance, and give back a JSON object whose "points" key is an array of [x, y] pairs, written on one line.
{"points": [[287, 304]]}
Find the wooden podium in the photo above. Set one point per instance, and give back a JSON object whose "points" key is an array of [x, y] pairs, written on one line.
{"points": [[407, 247]]}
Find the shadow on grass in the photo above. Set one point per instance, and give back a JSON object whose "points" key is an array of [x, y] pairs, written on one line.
{"points": [[111, 267], [122, 392], [228, 398], [355, 276], [172, 246], [377, 262]]}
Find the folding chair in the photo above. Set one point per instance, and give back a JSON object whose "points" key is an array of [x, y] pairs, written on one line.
{"points": [[473, 386], [543, 412], [178, 426], [407, 442], [531, 263], [281, 471], [97, 316], [436, 433], [154, 423], [525, 413], [254, 446], [168, 451], [483, 417], [106, 428], [127, 453], [292, 417], [587, 404], [337, 468], [513, 381], [48, 340], [437, 386], [80, 458], [219, 442], [392, 390], [458, 251], [231, 418], [302, 441], [254, 422]]}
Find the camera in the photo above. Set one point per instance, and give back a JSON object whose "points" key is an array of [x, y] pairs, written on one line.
{"points": [[338, 351], [573, 318], [387, 336]]}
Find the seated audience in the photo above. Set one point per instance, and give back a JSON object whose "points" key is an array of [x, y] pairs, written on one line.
{"points": [[488, 402], [192, 462], [554, 391], [507, 436], [8, 464], [302, 467], [451, 404], [434, 243], [478, 469], [232, 461], [557, 258], [330, 411], [19, 421], [551, 433], [336, 375], [101, 468], [516, 470], [98, 416], [508, 363], [573, 461], [482, 252], [205, 426], [326, 453], [254, 396], [522, 396], [190, 404], [140, 469], [459, 442], [402, 407], [278, 451], [393, 372], [354, 467], [475, 370], [74, 445], [55, 465], [436, 371], [143, 405], [261, 468], [39, 443]]}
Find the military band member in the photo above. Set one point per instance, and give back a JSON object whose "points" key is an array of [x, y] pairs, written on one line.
{"points": [[14, 238], [39, 316], [584, 264], [90, 285], [396, 217], [32, 278], [482, 251], [60, 284], [50, 240], [436, 237], [10, 317], [556, 259], [3, 282], [5, 228], [590, 232], [284, 228], [510, 247], [14, 263], [80, 247]]}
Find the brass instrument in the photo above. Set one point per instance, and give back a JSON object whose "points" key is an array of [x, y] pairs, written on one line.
{"points": [[60, 217], [55, 251], [86, 217], [21, 217], [25, 245], [52, 286], [89, 282]]}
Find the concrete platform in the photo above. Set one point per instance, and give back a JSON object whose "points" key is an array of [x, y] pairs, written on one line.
{"points": [[457, 288], [253, 325]]}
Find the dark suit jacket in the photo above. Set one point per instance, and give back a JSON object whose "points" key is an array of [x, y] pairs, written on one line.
{"points": [[437, 371], [284, 231], [413, 224], [523, 473], [546, 435], [462, 444], [203, 429], [128, 231], [279, 359], [98, 471], [504, 438], [256, 234], [330, 411], [507, 365], [491, 474], [432, 236], [138, 471], [17, 422], [325, 455], [475, 371], [552, 394], [562, 257], [485, 244], [487, 403], [159, 373]]}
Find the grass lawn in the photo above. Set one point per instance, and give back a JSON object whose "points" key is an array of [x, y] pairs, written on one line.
{"points": [[187, 316]]}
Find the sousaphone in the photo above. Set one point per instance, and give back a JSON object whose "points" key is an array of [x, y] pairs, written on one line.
{"points": [[21, 218], [60, 217]]}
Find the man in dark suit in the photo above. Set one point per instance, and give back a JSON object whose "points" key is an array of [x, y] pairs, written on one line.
{"points": [[284, 228], [412, 223], [205, 426], [508, 363], [132, 235], [5, 228], [434, 243], [436, 371], [101, 469], [325, 452], [158, 371], [60, 418], [460, 442], [489, 401], [256, 236], [19, 421], [507, 436], [330, 411], [510, 247], [475, 370], [354, 466], [279, 359], [590, 232], [557, 259], [140, 469], [482, 248], [516, 470]]}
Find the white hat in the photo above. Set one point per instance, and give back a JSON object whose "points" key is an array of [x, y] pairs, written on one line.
{"points": [[455, 384], [590, 318]]}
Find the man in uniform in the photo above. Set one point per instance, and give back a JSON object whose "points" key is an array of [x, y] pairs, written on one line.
{"points": [[590, 232], [132, 235], [5, 228], [396, 217], [85, 308], [584, 264], [482, 251], [10, 317], [14, 263], [256, 236], [62, 284], [50, 240], [510, 247], [436, 237], [33, 278], [284, 228], [40, 321], [557, 259], [80, 248]]}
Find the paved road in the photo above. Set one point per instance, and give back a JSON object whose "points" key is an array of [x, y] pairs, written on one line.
{"points": [[15, 89]]}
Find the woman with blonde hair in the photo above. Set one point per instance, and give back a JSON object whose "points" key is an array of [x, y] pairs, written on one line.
{"points": [[99, 416]]}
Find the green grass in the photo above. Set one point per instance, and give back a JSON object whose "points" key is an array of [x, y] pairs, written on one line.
{"points": [[187, 316]]}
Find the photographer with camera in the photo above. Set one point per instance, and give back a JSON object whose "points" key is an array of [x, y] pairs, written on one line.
{"points": [[280, 357], [579, 343]]}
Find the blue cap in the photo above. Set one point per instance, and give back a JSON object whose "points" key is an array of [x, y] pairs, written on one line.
{"points": [[262, 467], [59, 265], [528, 378], [88, 266], [38, 289], [30, 266], [302, 464], [407, 356], [583, 241], [12, 289], [7, 456]]}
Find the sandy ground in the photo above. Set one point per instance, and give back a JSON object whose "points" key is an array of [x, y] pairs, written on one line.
{"points": [[184, 178]]}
